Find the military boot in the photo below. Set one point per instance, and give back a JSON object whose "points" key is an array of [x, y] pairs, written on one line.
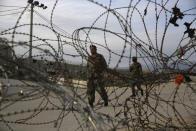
{"points": [[106, 103]]}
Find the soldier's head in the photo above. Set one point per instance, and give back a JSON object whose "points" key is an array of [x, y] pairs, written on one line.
{"points": [[134, 59], [93, 49]]}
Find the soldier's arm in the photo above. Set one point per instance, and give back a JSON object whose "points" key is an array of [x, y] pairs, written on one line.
{"points": [[90, 61], [140, 69], [87, 63], [131, 68], [88, 68], [103, 62]]}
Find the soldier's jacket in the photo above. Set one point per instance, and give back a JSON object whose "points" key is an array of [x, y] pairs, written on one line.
{"points": [[96, 65], [136, 70]]}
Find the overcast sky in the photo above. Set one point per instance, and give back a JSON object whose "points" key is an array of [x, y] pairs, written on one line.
{"points": [[70, 15]]}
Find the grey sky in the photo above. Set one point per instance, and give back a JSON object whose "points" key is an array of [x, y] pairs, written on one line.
{"points": [[73, 14]]}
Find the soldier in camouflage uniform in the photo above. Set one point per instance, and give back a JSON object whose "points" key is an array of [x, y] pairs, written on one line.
{"points": [[136, 75], [96, 66]]}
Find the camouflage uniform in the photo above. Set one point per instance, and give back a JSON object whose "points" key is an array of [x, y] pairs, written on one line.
{"points": [[96, 65], [136, 75]]}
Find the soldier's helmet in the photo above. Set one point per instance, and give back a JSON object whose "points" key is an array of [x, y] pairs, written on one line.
{"points": [[134, 58]]}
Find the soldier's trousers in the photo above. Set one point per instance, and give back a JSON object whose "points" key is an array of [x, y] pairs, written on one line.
{"points": [[138, 85], [98, 85]]}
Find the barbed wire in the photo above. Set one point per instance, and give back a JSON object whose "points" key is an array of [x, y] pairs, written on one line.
{"points": [[47, 90]]}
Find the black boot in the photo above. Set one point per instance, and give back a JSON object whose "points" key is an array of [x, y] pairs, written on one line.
{"points": [[105, 103], [133, 92], [133, 95], [142, 93]]}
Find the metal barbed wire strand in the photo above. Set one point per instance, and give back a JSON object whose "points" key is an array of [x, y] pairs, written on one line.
{"points": [[143, 109]]}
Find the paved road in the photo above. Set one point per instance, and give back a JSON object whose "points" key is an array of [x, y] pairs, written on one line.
{"points": [[162, 105]]}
